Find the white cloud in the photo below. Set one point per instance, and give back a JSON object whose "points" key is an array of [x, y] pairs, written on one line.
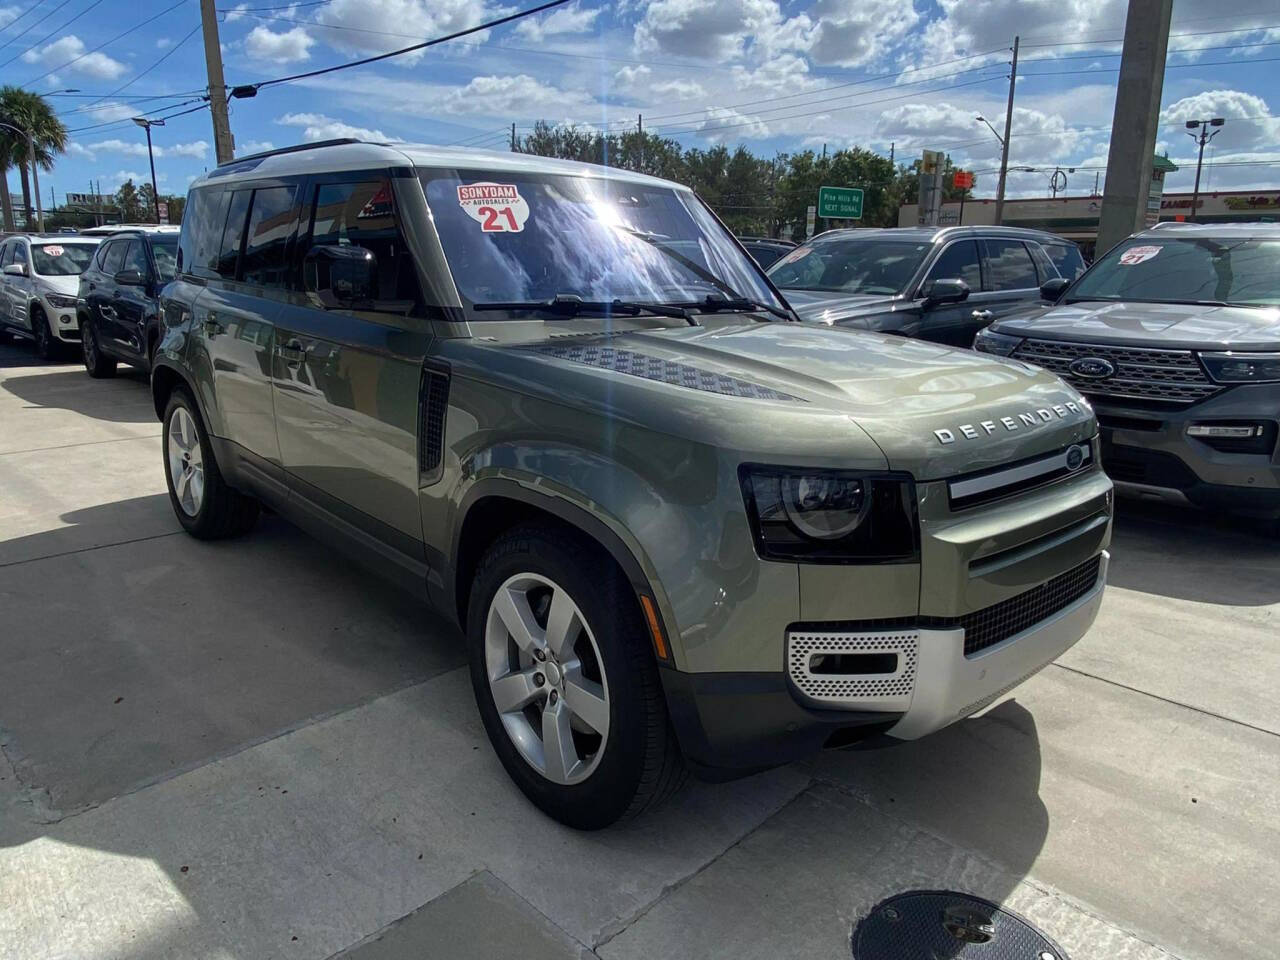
{"points": [[288, 47], [196, 149], [725, 125], [317, 126], [236, 12], [679, 89], [109, 112], [246, 147], [164, 43], [68, 48], [520, 95], [853, 33], [376, 26], [572, 19], [77, 149], [1235, 134], [8, 15], [718, 29]]}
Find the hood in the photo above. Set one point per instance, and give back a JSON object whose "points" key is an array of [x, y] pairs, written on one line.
{"points": [[933, 411], [67, 285], [1170, 325], [824, 306]]}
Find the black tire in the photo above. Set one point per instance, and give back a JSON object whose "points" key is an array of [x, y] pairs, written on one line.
{"points": [[641, 763], [98, 364], [223, 511], [46, 344]]}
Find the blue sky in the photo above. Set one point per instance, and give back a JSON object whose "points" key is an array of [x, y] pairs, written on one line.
{"points": [[776, 76]]}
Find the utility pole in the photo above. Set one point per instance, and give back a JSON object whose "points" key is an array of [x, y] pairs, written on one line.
{"points": [[640, 136], [1135, 122], [155, 191], [513, 136], [1204, 137], [1004, 142], [891, 146], [223, 143]]}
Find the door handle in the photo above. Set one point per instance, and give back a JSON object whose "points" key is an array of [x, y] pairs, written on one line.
{"points": [[292, 352], [981, 314]]}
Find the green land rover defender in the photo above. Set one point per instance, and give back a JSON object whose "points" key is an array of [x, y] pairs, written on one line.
{"points": [[680, 530]]}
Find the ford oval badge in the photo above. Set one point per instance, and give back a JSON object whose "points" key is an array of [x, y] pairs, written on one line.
{"points": [[1093, 368]]}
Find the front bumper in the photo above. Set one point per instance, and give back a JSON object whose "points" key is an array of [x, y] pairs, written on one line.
{"points": [[62, 321], [731, 724], [1149, 453]]}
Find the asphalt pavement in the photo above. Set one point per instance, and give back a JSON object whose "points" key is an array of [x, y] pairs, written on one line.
{"points": [[255, 749]]}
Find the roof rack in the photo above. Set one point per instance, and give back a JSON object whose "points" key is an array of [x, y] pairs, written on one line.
{"points": [[296, 148]]}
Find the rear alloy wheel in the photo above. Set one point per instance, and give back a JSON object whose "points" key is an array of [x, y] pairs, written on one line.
{"points": [[99, 365], [204, 504], [566, 680], [46, 345]]}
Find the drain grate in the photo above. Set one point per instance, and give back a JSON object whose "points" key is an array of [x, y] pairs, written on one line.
{"points": [[943, 925]]}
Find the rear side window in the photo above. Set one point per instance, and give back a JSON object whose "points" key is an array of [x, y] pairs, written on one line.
{"points": [[6, 254], [224, 264], [114, 257], [359, 217], [959, 262], [1066, 258], [135, 258], [1044, 266], [271, 220], [203, 222], [1009, 266], [101, 258]]}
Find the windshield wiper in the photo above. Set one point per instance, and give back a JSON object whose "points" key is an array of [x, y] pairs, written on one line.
{"points": [[711, 304], [571, 305]]}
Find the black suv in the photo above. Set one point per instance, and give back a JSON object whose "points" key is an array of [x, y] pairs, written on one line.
{"points": [[936, 283], [119, 291]]}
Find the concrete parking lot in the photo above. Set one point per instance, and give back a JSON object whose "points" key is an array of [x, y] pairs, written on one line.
{"points": [[254, 749]]}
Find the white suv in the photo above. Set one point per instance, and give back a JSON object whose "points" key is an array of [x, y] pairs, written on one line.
{"points": [[40, 288]]}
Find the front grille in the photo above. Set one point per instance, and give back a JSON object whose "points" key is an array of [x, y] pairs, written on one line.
{"points": [[1173, 376], [806, 650], [986, 486], [1154, 468], [991, 625]]}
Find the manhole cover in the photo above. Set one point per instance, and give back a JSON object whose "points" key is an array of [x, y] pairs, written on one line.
{"points": [[942, 925]]}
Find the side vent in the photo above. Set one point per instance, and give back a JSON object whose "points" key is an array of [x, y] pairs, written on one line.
{"points": [[433, 404]]}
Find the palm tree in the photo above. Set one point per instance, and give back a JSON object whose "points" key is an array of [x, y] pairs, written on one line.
{"points": [[31, 113]]}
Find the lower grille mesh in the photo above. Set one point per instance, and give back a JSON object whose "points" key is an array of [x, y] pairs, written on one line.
{"points": [[802, 647], [989, 626]]}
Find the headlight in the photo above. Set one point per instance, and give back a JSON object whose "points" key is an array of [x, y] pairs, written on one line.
{"points": [[831, 516], [61, 299], [1001, 344], [1242, 367]]}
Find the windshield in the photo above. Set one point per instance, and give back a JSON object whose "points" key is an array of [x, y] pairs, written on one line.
{"points": [[165, 251], [61, 259], [851, 266], [1186, 270], [518, 237]]}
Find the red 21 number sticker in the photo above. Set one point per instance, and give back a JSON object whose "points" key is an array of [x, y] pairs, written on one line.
{"points": [[497, 207], [1136, 255]]}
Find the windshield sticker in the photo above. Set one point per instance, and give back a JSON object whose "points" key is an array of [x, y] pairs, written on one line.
{"points": [[1136, 255], [53, 250], [793, 256], [497, 207]]}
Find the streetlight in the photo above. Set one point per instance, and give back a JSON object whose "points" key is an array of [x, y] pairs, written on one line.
{"points": [[1202, 138], [35, 175], [54, 93], [991, 128], [155, 193]]}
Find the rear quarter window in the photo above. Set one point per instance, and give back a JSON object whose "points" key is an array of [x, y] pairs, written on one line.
{"points": [[1066, 258], [203, 223]]}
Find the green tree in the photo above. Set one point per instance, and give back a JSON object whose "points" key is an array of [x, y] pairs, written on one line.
{"points": [[32, 114], [176, 207], [129, 203]]}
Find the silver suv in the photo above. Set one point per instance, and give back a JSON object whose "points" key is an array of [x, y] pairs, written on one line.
{"points": [[39, 288], [1174, 336], [678, 528]]}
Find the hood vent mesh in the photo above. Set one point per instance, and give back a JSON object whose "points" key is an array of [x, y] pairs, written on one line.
{"points": [[664, 371]]}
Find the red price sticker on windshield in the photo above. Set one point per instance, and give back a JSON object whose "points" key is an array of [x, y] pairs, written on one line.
{"points": [[53, 250], [1136, 255], [497, 207]]}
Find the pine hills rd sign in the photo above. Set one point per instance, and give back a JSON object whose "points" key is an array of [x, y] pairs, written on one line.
{"points": [[843, 203]]}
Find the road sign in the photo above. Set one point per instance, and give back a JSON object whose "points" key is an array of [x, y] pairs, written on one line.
{"points": [[844, 203], [164, 211], [810, 221], [962, 180]]}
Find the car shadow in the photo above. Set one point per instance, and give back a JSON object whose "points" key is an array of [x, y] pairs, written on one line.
{"points": [[1195, 555], [122, 399]]}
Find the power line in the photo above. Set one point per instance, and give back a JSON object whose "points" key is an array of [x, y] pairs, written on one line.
{"points": [[1168, 66], [105, 43], [138, 76], [1182, 50], [15, 20], [519, 14], [123, 121], [1197, 33], [30, 28]]}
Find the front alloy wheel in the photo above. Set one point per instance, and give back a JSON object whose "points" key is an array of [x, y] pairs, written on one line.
{"points": [[186, 462], [544, 673]]}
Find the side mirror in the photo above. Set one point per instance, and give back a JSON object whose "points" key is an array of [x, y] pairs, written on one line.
{"points": [[130, 278], [340, 277], [1052, 290], [15, 269], [945, 291]]}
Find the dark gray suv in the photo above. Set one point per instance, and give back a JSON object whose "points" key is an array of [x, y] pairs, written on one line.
{"points": [[937, 283], [1174, 336]]}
